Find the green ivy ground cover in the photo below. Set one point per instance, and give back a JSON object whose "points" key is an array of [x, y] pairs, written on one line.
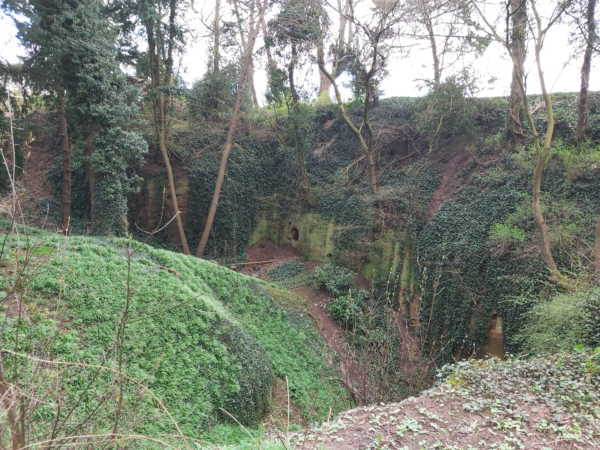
{"points": [[200, 336]]}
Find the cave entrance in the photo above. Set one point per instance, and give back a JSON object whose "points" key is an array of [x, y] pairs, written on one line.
{"points": [[294, 235]]}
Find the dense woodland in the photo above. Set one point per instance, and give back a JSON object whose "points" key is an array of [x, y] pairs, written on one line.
{"points": [[201, 266]]}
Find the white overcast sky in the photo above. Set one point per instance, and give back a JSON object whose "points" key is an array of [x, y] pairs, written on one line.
{"points": [[561, 70]]}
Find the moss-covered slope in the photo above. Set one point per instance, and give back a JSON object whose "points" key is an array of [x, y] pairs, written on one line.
{"points": [[201, 337]]}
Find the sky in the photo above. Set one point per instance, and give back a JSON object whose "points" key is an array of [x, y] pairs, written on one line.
{"points": [[405, 71]]}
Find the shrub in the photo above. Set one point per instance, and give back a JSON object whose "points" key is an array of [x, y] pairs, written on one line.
{"points": [[348, 309], [563, 322], [502, 233], [335, 279], [286, 270]]}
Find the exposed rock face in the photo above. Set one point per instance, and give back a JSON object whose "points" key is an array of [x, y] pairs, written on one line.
{"points": [[152, 205]]}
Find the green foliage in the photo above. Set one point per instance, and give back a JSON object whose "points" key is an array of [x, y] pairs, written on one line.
{"points": [[505, 234], [72, 55], [199, 336], [464, 281], [215, 93], [449, 112], [258, 174], [337, 280], [286, 270], [576, 161], [562, 322], [592, 319], [348, 309]]}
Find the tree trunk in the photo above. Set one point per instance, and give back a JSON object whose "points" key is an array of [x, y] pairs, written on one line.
{"points": [[176, 212], [169, 76], [367, 148], [270, 63], [517, 49], [584, 94], [324, 86], [159, 120], [245, 48], [597, 245], [251, 69], [405, 276], [437, 73], [537, 211], [66, 160], [89, 151], [542, 151], [371, 171], [216, 51], [323, 96], [229, 142], [298, 139]]}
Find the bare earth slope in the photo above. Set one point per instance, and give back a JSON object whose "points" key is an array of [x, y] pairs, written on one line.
{"points": [[543, 403]]}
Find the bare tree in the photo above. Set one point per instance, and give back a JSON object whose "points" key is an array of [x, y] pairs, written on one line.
{"points": [[539, 27], [436, 22], [296, 28], [232, 126], [250, 10], [590, 38], [344, 39], [217, 37], [368, 57]]}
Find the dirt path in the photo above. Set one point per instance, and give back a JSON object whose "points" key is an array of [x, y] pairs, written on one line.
{"points": [[333, 334], [451, 166], [329, 330]]}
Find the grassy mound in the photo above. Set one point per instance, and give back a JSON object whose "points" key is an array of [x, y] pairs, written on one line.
{"points": [[202, 338]]}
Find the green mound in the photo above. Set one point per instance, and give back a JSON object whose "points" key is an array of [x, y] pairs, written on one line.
{"points": [[202, 338]]}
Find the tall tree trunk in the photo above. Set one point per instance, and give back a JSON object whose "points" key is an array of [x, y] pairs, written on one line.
{"points": [[159, 120], [537, 211], [323, 95], [584, 94], [270, 63], [597, 250], [542, 152], [298, 139], [169, 76], [251, 69], [66, 160], [324, 86], [437, 72], [89, 151], [405, 277], [217, 38], [245, 47], [229, 142], [518, 11]]}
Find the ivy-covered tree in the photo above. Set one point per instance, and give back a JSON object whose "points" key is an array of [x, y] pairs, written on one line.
{"points": [[72, 59], [293, 32]]}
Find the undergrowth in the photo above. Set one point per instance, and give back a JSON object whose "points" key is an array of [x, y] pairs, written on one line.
{"points": [[204, 339]]}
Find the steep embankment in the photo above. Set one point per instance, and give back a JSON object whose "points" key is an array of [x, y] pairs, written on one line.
{"points": [[199, 336], [546, 403]]}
